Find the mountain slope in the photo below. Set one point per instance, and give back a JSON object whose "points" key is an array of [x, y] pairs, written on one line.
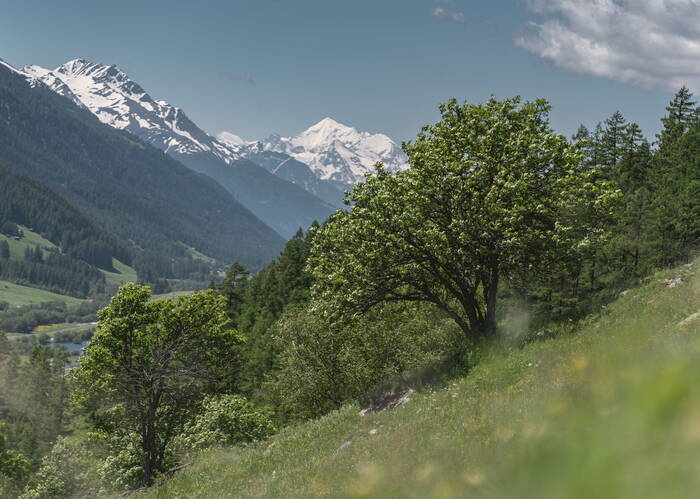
{"points": [[610, 410], [122, 103], [296, 172], [63, 252], [25, 202], [150, 201]]}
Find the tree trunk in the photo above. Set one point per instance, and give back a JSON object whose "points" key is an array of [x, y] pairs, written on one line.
{"points": [[491, 295], [148, 446]]}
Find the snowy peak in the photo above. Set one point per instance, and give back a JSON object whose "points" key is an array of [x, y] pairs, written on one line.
{"points": [[231, 139], [120, 102], [338, 152]]}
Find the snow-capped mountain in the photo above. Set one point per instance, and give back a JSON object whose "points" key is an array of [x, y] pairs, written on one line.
{"points": [[287, 181], [120, 102], [335, 152]]}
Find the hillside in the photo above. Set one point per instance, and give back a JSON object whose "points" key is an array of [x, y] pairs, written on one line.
{"points": [[609, 408], [147, 200], [17, 295], [47, 243]]}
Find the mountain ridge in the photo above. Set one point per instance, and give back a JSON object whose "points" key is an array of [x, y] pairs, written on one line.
{"points": [[121, 103]]}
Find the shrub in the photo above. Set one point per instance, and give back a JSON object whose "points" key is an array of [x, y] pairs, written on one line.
{"points": [[323, 365], [226, 420], [67, 471]]}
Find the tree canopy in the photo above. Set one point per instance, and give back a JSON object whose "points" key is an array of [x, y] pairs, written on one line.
{"points": [[492, 193], [149, 364]]}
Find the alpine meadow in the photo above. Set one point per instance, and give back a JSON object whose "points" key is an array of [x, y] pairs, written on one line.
{"points": [[504, 304]]}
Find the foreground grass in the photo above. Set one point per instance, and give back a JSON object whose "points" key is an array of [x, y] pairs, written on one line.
{"points": [[611, 411]]}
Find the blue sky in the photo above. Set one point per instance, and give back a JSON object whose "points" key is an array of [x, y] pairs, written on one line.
{"points": [[255, 67]]}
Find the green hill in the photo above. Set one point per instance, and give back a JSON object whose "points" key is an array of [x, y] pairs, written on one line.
{"points": [[47, 243], [607, 409], [17, 295]]}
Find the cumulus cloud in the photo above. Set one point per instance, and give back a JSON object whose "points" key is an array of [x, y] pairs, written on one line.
{"points": [[448, 12], [650, 43]]}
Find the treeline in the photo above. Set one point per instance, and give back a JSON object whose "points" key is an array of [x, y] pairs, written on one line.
{"points": [[81, 249], [56, 273], [135, 192], [155, 270], [656, 224]]}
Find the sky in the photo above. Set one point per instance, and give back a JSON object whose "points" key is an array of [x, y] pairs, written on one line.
{"points": [[257, 67]]}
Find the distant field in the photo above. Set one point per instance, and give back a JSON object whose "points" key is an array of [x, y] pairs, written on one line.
{"points": [[200, 256], [53, 329], [30, 240], [18, 295], [123, 273]]}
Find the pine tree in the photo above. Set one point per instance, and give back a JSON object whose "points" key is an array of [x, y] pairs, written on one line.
{"points": [[4, 250], [611, 141], [681, 114], [233, 288], [672, 231]]}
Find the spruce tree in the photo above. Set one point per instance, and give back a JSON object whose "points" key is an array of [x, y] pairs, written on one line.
{"points": [[4, 249]]}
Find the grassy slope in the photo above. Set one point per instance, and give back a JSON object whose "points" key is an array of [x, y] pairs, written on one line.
{"points": [[611, 411], [123, 273], [29, 240], [18, 295], [28, 295]]}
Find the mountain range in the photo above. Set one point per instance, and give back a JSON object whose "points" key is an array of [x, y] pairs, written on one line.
{"points": [[287, 182]]}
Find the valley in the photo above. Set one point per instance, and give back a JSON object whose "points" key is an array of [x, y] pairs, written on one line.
{"points": [[336, 250]]}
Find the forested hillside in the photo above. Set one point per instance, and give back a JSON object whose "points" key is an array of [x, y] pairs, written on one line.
{"points": [[79, 248], [147, 200]]}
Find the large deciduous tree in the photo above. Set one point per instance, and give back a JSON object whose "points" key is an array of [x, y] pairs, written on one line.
{"points": [[150, 363], [492, 194]]}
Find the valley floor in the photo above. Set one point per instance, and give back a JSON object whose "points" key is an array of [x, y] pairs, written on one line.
{"points": [[611, 410]]}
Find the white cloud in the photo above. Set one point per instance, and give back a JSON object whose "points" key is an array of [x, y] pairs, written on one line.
{"points": [[651, 43], [448, 13]]}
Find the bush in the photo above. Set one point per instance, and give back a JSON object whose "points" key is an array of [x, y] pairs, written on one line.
{"points": [[323, 365], [226, 420], [67, 471]]}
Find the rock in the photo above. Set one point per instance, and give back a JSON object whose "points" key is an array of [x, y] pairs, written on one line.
{"points": [[373, 431], [689, 319], [673, 282], [390, 400]]}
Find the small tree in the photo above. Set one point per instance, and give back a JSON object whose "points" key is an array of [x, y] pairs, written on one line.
{"points": [[4, 250], [150, 363], [492, 194]]}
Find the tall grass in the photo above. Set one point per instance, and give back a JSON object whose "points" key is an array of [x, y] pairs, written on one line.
{"points": [[611, 410]]}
